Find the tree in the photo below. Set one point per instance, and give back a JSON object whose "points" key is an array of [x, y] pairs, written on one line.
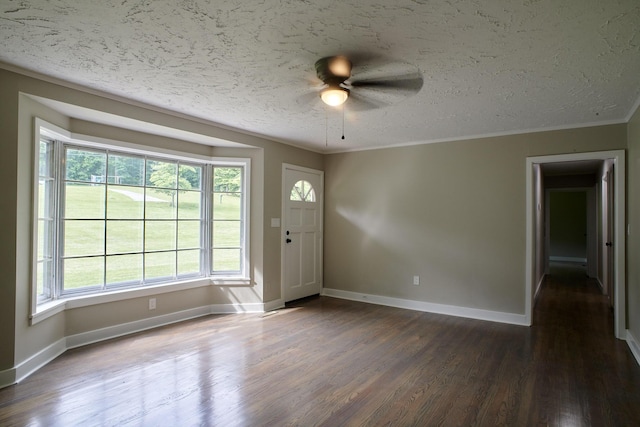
{"points": [[81, 165], [227, 179], [163, 176]]}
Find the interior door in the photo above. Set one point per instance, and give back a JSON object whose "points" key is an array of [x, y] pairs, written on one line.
{"points": [[609, 266], [302, 232]]}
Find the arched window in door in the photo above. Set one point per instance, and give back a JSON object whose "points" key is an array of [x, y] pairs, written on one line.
{"points": [[303, 191]]}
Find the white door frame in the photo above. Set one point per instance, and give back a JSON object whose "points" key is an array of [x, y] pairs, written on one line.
{"points": [[619, 225], [285, 194]]}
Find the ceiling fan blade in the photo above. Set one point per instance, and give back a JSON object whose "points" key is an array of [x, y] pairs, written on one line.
{"points": [[408, 83], [357, 102], [310, 96]]}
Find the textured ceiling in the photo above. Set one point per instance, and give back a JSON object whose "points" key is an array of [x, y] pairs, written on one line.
{"points": [[489, 67]]}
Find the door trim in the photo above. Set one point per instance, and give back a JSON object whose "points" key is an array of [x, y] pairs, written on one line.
{"points": [[619, 225], [283, 208]]}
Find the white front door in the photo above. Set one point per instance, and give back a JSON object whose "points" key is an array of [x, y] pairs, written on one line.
{"points": [[301, 231]]}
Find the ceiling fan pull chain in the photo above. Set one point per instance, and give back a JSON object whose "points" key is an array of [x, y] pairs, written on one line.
{"points": [[326, 127], [343, 121]]}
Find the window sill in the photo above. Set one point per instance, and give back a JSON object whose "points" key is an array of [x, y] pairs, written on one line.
{"points": [[49, 309], [46, 310], [231, 281]]}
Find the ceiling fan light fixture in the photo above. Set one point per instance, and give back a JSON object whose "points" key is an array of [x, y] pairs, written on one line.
{"points": [[334, 96]]}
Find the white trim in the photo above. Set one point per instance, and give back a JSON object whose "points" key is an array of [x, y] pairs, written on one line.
{"points": [[38, 360], [530, 239], [600, 285], [274, 305], [568, 259], [122, 329], [633, 109], [429, 307], [237, 308], [46, 355], [633, 346], [619, 159], [283, 213], [484, 135]]}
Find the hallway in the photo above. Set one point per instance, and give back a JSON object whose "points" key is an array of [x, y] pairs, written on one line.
{"points": [[584, 375]]}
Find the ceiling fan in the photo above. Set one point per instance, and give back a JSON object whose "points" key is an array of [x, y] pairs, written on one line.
{"points": [[340, 85]]}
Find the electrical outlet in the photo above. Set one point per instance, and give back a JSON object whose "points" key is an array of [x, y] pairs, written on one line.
{"points": [[416, 280], [152, 303]]}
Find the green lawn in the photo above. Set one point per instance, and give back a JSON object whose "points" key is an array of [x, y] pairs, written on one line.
{"points": [[115, 236]]}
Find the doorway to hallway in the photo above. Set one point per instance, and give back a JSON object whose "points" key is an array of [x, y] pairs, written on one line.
{"points": [[607, 248]]}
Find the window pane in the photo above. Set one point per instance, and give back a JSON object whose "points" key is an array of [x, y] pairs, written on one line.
{"points": [[124, 268], [126, 170], [162, 174], [226, 234], [85, 201], [190, 177], [226, 260], [226, 206], [159, 265], [160, 204], [188, 262], [45, 159], [83, 238], [86, 166], [39, 279], [227, 179], [188, 234], [46, 191], [303, 191], [124, 236], [44, 239], [83, 272], [189, 204], [125, 202], [160, 235]]}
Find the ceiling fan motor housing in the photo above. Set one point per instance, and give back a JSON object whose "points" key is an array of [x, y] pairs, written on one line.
{"points": [[333, 70]]}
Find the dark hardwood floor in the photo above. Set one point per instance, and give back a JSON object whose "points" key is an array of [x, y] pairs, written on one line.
{"points": [[329, 362]]}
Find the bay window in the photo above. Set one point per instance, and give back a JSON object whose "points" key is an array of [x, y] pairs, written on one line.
{"points": [[109, 218]]}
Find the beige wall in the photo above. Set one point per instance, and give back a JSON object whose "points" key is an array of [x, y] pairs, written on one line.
{"points": [[633, 218], [18, 339], [8, 214], [452, 213]]}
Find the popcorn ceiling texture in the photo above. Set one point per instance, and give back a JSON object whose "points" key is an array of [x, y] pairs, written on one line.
{"points": [[488, 66]]}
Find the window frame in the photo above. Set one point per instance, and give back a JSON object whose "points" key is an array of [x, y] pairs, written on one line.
{"points": [[58, 300]]}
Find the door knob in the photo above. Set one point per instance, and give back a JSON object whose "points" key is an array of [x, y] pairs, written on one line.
{"points": [[288, 240], [609, 244]]}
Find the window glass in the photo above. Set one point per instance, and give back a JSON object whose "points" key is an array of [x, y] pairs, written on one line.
{"points": [[227, 223], [303, 191], [126, 219]]}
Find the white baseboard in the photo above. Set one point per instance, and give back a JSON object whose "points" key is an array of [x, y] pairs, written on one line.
{"points": [[38, 360], [237, 308], [27, 367], [568, 259], [90, 337], [600, 285], [450, 310], [273, 305], [46, 355], [633, 345]]}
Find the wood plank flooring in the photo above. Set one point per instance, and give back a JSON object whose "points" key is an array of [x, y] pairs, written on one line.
{"points": [[330, 362]]}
